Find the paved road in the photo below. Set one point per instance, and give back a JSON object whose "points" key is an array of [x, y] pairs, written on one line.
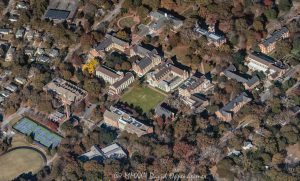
{"points": [[109, 17], [71, 51], [88, 112], [290, 73], [17, 114], [8, 8], [294, 13]]}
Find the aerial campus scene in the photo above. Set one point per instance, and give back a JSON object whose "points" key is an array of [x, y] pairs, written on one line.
{"points": [[158, 90]]}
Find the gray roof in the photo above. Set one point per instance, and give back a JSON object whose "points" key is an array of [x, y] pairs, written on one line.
{"points": [[5, 30], [162, 18], [193, 82], [227, 109], [108, 40], [57, 14], [209, 35], [140, 50], [263, 58], [232, 73], [145, 62], [127, 76], [275, 36], [252, 81], [107, 71]]}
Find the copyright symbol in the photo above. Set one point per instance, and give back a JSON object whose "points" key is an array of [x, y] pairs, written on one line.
{"points": [[117, 175]]}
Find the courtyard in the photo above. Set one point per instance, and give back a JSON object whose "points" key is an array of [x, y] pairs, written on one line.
{"points": [[143, 97]]}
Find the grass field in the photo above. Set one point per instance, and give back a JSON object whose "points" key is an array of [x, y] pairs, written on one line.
{"points": [[19, 161], [144, 97], [127, 22]]}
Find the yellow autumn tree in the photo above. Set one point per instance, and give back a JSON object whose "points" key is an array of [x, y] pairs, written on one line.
{"points": [[90, 66]]}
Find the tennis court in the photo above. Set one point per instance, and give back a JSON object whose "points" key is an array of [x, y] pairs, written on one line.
{"points": [[41, 134]]}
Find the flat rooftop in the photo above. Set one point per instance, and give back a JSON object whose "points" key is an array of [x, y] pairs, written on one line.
{"points": [[61, 10], [66, 90]]}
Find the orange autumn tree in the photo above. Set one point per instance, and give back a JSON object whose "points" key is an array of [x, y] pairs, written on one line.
{"points": [[90, 66]]}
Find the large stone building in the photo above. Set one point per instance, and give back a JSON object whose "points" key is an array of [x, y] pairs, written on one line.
{"points": [[269, 44], [149, 59], [189, 91], [194, 84], [107, 44], [120, 119], [226, 113], [167, 76], [120, 85], [249, 82], [261, 62], [108, 75], [66, 91]]}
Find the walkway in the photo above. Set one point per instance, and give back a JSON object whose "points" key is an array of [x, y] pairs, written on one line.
{"points": [[17, 114], [109, 17]]}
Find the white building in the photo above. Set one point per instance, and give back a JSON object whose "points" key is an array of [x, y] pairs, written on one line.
{"points": [[261, 62], [121, 84], [113, 151], [108, 75]]}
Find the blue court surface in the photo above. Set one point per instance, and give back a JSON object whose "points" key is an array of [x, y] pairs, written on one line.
{"points": [[41, 134]]}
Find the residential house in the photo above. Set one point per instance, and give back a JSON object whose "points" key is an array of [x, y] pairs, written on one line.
{"points": [[117, 87], [247, 81], [53, 52], [268, 44], [43, 59], [226, 113], [40, 51], [29, 51], [20, 80], [247, 145], [107, 44], [261, 62], [20, 33], [13, 18], [149, 59], [5, 31], [22, 5], [5, 93], [29, 35], [108, 75], [120, 119], [3, 49], [10, 54], [11, 87], [167, 76]]}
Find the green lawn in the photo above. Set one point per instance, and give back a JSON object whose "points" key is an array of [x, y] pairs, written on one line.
{"points": [[19, 161], [144, 97]]}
